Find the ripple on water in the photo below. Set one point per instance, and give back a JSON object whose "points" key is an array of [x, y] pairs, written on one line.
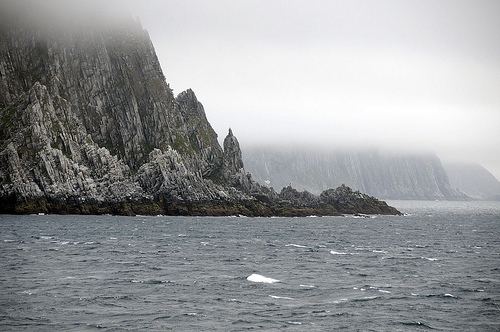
{"points": [[242, 273]]}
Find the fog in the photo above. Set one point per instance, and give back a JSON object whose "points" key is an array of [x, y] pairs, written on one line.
{"points": [[411, 75]]}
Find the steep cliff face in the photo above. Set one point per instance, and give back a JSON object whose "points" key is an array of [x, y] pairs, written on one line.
{"points": [[474, 180], [88, 124], [113, 83], [387, 175]]}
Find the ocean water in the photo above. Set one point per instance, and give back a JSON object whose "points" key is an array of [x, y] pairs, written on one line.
{"points": [[436, 268]]}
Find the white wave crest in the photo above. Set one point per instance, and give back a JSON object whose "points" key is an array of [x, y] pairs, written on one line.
{"points": [[281, 297], [429, 259], [295, 245]]}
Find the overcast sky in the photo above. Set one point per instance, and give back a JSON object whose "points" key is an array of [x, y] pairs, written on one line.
{"points": [[406, 74], [419, 74]]}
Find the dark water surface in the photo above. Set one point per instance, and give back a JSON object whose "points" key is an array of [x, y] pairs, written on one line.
{"points": [[438, 268]]}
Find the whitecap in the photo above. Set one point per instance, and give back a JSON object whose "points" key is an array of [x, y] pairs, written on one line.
{"points": [[112, 238], [294, 323], [64, 242], [260, 278], [429, 259], [46, 237], [449, 295], [181, 235], [384, 291], [337, 252], [8, 240], [339, 301], [369, 298], [414, 294], [307, 286], [281, 297], [379, 251], [295, 245]]}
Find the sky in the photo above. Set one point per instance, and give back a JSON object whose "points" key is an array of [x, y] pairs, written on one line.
{"points": [[396, 74]]}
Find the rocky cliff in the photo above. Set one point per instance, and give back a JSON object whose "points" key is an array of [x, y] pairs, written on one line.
{"points": [[378, 173], [88, 124], [474, 180]]}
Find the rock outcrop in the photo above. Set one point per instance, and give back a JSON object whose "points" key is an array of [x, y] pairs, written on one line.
{"points": [[88, 124]]}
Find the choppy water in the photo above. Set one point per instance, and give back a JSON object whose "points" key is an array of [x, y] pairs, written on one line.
{"points": [[438, 268]]}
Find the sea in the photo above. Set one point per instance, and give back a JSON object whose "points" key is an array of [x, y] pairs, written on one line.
{"points": [[435, 268]]}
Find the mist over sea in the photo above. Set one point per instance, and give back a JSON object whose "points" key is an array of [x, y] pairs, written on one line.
{"points": [[438, 267]]}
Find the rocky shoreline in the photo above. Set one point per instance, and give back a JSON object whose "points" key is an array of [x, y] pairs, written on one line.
{"points": [[251, 207]]}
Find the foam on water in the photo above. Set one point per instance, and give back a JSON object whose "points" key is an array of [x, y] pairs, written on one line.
{"points": [[281, 297], [294, 322], [333, 252], [260, 278], [340, 301], [429, 259], [295, 245]]}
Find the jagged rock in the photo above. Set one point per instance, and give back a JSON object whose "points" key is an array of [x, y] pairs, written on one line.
{"points": [[298, 198], [202, 137], [88, 124], [345, 200]]}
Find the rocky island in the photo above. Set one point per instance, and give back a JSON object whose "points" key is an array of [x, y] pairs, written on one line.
{"points": [[89, 125]]}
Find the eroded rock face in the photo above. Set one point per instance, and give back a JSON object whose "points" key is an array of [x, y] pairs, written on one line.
{"points": [[88, 124]]}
